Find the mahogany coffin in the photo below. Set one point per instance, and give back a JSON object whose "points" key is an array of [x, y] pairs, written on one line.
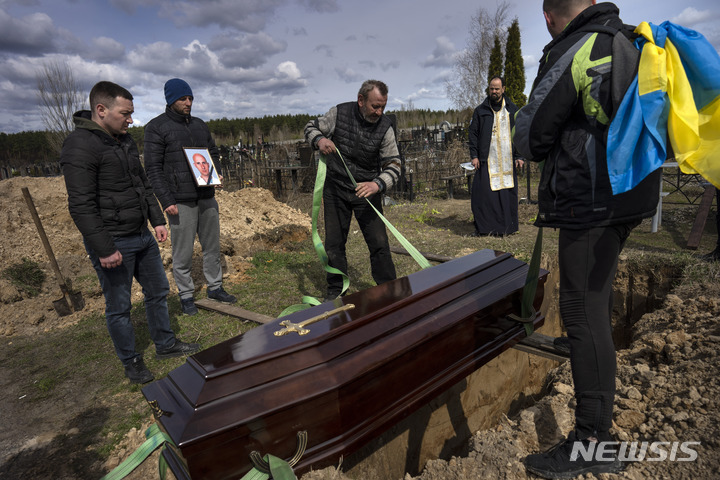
{"points": [[351, 377]]}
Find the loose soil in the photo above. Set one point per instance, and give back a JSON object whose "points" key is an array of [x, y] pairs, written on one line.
{"points": [[251, 219], [668, 389]]}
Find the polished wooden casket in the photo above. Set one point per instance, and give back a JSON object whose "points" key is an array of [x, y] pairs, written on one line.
{"points": [[341, 372]]}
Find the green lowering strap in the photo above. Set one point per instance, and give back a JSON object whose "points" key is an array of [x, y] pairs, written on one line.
{"points": [[309, 301], [414, 253], [528, 295], [155, 438], [279, 470]]}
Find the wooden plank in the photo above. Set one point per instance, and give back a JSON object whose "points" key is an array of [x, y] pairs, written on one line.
{"points": [[429, 256], [542, 345], [233, 311], [699, 225]]}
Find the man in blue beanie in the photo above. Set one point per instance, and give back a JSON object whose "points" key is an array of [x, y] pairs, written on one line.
{"points": [[191, 209]]}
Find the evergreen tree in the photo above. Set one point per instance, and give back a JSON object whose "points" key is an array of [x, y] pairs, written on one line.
{"points": [[495, 67], [514, 66]]}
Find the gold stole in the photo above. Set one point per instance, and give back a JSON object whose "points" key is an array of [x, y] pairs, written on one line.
{"points": [[500, 158]]}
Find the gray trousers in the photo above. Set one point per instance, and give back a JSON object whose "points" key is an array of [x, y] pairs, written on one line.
{"points": [[201, 219]]}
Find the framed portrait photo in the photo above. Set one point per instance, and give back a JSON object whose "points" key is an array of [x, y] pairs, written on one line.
{"points": [[202, 166]]}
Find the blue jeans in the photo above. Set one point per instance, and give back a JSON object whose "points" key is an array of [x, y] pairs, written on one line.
{"points": [[140, 260]]}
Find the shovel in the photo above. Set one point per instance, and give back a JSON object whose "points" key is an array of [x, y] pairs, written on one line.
{"points": [[61, 305]]}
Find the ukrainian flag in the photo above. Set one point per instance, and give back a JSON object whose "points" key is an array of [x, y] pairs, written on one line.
{"points": [[676, 95]]}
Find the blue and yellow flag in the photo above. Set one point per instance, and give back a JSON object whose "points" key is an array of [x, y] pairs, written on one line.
{"points": [[676, 95]]}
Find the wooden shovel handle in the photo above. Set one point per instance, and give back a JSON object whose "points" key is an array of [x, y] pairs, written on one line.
{"points": [[43, 237]]}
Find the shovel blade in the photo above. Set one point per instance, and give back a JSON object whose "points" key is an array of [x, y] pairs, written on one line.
{"points": [[77, 301], [62, 307]]}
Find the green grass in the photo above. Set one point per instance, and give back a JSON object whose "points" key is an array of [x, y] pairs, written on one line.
{"points": [[26, 275], [280, 279]]}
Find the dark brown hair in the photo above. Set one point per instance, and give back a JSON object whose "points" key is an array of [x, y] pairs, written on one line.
{"points": [[106, 92]]}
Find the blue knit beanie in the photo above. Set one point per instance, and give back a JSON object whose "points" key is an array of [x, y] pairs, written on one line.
{"points": [[176, 88]]}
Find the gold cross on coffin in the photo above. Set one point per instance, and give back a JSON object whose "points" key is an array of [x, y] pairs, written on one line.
{"points": [[300, 327]]}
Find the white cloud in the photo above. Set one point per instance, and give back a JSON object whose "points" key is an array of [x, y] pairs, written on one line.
{"points": [[290, 70], [30, 35], [442, 55], [157, 57], [246, 50], [322, 6], [107, 50], [348, 75], [691, 16], [530, 61], [326, 50], [247, 16], [391, 65]]}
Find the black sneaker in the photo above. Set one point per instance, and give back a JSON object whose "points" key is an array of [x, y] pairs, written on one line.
{"points": [[572, 457], [137, 372], [188, 306], [178, 350], [713, 256], [221, 295]]}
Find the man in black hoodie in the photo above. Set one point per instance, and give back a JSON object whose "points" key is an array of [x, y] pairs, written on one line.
{"points": [[565, 123], [191, 208], [110, 201]]}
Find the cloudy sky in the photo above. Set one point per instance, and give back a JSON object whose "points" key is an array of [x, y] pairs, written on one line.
{"points": [[249, 58]]}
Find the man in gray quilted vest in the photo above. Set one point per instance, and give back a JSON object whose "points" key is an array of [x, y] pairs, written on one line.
{"points": [[364, 136]]}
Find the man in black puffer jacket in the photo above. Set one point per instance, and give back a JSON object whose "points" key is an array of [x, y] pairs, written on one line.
{"points": [[110, 201], [191, 209]]}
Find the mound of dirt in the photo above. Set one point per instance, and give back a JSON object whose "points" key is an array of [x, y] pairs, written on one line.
{"points": [[668, 392], [249, 219]]}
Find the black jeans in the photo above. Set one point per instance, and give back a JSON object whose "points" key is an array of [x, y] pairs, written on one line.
{"points": [[588, 261], [339, 206]]}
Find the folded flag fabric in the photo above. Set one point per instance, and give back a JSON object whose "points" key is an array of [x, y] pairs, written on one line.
{"points": [[675, 96]]}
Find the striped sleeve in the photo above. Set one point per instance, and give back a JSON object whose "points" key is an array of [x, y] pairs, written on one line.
{"points": [[389, 161], [322, 127]]}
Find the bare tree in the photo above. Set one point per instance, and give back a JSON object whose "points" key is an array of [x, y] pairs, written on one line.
{"points": [[469, 82], [60, 96]]}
